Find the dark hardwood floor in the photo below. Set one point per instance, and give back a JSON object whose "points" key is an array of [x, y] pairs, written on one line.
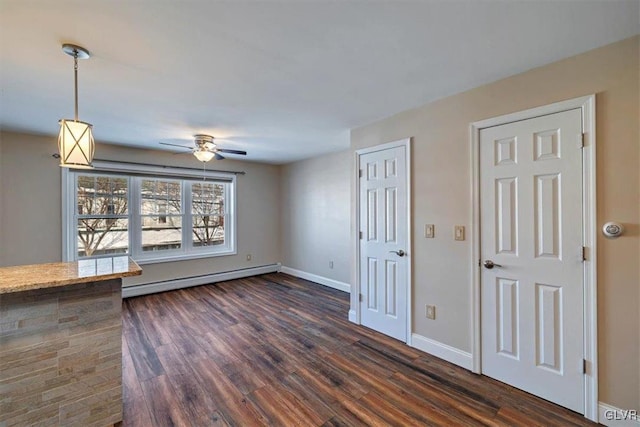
{"points": [[277, 350]]}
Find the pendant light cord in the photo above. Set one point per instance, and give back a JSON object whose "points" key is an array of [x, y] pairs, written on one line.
{"points": [[75, 76]]}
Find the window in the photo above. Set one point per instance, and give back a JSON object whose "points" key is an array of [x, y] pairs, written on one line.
{"points": [[102, 217], [151, 217], [161, 214], [207, 213]]}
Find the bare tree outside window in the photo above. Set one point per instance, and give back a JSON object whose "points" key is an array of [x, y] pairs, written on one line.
{"points": [[161, 214], [102, 215], [208, 213]]}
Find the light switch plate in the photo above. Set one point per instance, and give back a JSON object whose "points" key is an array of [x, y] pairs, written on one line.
{"points": [[458, 232], [431, 312], [429, 231]]}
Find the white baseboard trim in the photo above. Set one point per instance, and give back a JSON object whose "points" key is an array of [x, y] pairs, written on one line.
{"points": [[352, 316], [317, 279], [168, 285], [443, 351], [616, 417]]}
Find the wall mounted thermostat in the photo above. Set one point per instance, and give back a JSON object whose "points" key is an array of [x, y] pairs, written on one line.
{"points": [[612, 229]]}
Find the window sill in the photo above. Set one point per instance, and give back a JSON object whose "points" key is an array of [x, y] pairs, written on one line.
{"points": [[173, 258]]}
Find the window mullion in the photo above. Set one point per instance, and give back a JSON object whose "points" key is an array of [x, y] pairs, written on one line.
{"points": [[230, 215], [72, 214], [73, 235], [135, 223], [187, 218]]}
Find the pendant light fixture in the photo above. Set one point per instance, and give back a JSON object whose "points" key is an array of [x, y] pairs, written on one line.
{"points": [[75, 141]]}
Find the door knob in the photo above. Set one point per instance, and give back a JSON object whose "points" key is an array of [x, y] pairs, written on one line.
{"points": [[490, 264], [399, 253]]}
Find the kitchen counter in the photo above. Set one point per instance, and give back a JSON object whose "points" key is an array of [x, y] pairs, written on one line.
{"points": [[61, 342], [39, 276]]}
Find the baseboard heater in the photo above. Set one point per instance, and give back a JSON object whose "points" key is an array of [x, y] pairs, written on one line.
{"points": [[185, 282]]}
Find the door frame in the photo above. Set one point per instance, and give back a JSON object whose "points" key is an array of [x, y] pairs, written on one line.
{"points": [[589, 232], [354, 312]]}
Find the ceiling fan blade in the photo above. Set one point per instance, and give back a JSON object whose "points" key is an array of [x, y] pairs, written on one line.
{"points": [[223, 150], [175, 145], [219, 156]]}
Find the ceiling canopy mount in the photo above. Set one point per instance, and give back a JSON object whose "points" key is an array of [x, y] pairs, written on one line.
{"points": [[76, 51]]}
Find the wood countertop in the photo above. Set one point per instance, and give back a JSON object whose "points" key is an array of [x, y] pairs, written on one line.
{"points": [[21, 278]]}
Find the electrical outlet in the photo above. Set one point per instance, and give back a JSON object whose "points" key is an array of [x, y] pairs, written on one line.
{"points": [[429, 231], [330, 264], [248, 257], [458, 232], [431, 312]]}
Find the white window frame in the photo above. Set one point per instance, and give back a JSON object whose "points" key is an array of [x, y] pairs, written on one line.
{"points": [[135, 236], [187, 177]]}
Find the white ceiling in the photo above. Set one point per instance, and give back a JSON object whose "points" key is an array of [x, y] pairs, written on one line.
{"points": [[282, 80]]}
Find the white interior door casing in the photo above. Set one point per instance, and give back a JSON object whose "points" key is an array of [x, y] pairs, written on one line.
{"points": [[384, 228], [531, 225]]}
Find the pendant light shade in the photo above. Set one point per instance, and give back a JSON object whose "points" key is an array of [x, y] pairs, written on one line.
{"points": [[76, 144], [75, 141], [204, 155]]}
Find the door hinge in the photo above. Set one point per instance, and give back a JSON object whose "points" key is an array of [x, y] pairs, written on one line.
{"points": [[584, 366], [360, 173], [584, 253], [581, 140], [360, 235], [360, 297]]}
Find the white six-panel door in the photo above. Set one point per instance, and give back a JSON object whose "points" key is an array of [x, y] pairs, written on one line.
{"points": [[383, 241], [531, 229]]}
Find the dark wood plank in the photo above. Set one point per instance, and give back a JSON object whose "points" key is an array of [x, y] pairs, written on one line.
{"points": [[164, 408], [135, 410], [144, 358], [278, 350], [193, 398]]}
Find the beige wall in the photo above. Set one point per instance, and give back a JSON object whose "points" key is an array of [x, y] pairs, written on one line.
{"points": [[315, 215], [441, 195], [31, 207], [30, 190]]}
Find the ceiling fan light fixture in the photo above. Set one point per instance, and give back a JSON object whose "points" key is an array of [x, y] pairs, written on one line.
{"points": [[75, 140], [202, 139], [206, 149], [204, 155]]}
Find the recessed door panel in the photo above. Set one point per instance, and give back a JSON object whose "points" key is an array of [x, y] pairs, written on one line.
{"points": [[507, 317], [547, 144], [391, 215], [549, 327], [507, 215], [372, 171], [505, 151], [372, 214], [547, 211], [390, 168], [391, 285], [372, 284]]}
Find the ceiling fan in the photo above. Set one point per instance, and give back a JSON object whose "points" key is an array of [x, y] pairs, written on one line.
{"points": [[205, 149]]}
